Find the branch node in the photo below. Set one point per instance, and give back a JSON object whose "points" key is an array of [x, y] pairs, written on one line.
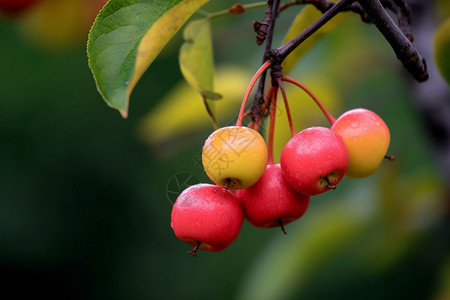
{"points": [[261, 31]]}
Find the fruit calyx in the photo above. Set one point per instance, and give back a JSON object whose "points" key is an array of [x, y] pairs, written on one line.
{"points": [[231, 183], [329, 183], [389, 157]]}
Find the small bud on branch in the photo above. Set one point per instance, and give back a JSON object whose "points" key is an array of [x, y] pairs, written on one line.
{"points": [[236, 9]]}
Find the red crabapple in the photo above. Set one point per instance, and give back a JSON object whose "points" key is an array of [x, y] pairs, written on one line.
{"points": [[207, 217], [271, 201], [314, 160]]}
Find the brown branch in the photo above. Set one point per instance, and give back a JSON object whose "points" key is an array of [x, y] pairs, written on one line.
{"points": [[262, 27], [278, 55], [399, 36], [259, 99], [402, 46], [404, 15], [324, 5]]}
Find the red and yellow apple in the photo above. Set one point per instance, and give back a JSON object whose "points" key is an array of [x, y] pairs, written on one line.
{"points": [[367, 139], [234, 157]]}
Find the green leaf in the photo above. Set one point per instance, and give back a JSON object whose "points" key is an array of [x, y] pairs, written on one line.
{"points": [[304, 19], [196, 58], [126, 38]]}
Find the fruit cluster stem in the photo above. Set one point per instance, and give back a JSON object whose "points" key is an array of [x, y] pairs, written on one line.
{"points": [[272, 124], [321, 106], [263, 68], [286, 104]]}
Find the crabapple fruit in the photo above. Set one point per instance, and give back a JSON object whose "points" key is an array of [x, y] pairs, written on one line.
{"points": [[207, 217], [271, 201], [314, 160], [367, 139], [234, 157]]}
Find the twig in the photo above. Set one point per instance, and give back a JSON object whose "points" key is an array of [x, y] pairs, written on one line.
{"points": [[324, 5], [279, 54], [262, 27], [402, 46], [259, 99], [404, 15]]}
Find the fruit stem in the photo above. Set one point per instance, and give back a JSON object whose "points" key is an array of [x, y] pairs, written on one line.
{"points": [[194, 251], [272, 124], [329, 184], [281, 226], [246, 115], [286, 104], [264, 67], [321, 106], [263, 109]]}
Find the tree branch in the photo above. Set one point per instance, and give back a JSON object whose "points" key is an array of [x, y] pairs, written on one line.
{"points": [[324, 5], [398, 36], [278, 55], [259, 99], [402, 46], [404, 15]]}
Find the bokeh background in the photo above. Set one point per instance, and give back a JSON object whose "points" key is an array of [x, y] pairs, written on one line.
{"points": [[86, 196]]}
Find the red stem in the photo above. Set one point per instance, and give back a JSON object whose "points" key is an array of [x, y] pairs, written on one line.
{"points": [[272, 124], [286, 104], [249, 89], [321, 106], [246, 115]]}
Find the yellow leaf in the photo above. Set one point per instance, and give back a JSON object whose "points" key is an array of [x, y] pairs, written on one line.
{"points": [[181, 112], [196, 58]]}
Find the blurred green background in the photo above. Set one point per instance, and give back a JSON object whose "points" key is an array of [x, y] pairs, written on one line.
{"points": [[85, 198]]}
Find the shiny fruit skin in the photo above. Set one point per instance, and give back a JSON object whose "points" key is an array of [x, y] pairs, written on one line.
{"points": [[234, 157], [311, 155], [208, 214], [271, 200], [367, 139]]}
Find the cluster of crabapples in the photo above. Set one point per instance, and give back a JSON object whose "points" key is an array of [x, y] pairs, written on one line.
{"points": [[249, 185]]}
